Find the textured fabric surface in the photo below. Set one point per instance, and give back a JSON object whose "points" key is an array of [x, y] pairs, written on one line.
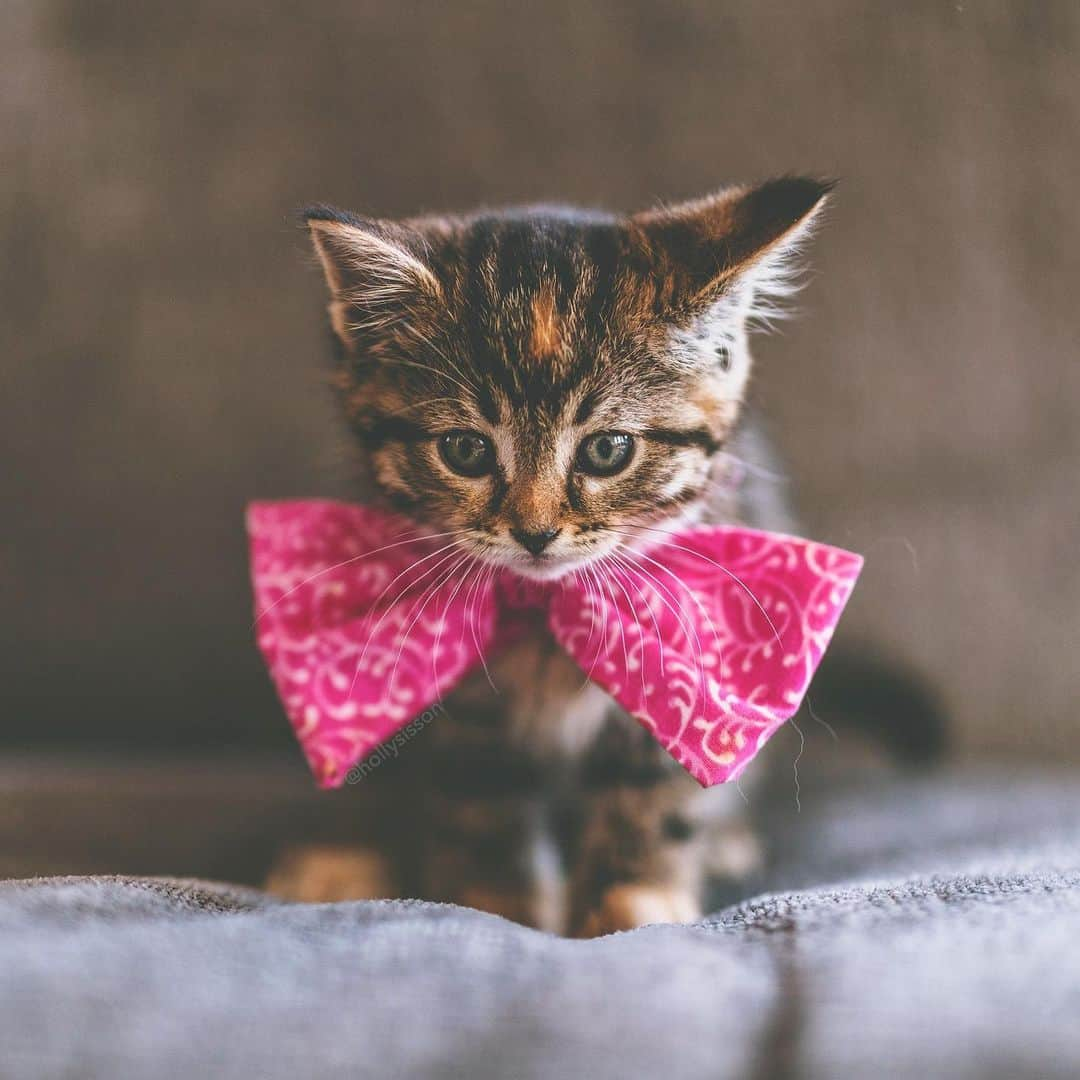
{"points": [[921, 929], [711, 648]]}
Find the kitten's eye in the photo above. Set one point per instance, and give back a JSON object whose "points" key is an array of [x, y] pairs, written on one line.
{"points": [[723, 356], [467, 452], [605, 454]]}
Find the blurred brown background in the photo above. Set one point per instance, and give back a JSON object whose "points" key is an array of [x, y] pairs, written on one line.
{"points": [[160, 319]]}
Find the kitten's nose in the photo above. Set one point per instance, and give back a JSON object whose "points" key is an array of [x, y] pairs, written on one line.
{"points": [[534, 542]]}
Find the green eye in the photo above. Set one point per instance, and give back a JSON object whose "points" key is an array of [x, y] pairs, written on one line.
{"points": [[467, 452], [605, 454]]}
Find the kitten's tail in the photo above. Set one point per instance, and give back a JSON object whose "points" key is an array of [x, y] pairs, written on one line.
{"points": [[866, 694]]}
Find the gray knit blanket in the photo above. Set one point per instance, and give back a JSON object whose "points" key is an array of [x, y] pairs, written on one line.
{"points": [[915, 929]]}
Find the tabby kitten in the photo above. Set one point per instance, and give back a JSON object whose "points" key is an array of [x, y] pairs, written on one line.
{"points": [[547, 381]]}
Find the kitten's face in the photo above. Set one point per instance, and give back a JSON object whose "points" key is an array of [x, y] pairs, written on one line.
{"points": [[545, 387]]}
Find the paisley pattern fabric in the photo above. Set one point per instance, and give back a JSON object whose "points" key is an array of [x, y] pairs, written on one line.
{"points": [[709, 637]]}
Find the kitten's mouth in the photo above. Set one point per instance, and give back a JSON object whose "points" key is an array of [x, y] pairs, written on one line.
{"points": [[545, 566]]}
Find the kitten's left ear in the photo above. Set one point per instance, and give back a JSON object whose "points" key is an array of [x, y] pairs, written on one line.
{"points": [[375, 270], [736, 243]]}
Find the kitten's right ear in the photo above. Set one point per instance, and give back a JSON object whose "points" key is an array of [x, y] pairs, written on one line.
{"points": [[375, 271]]}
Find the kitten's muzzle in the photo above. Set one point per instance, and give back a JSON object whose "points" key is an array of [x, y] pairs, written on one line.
{"points": [[534, 542]]}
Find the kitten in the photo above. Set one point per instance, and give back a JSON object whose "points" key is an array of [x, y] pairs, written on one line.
{"points": [[546, 380]]}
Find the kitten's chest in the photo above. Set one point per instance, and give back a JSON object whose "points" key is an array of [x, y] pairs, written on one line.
{"points": [[537, 696]]}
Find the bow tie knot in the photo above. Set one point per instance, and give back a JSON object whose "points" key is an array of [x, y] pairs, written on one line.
{"points": [[708, 637]]}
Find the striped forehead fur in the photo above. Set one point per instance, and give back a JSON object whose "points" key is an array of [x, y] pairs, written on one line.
{"points": [[539, 328]]}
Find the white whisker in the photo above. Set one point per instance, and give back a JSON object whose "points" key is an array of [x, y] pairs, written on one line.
{"points": [[637, 622], [429, 592], [470, 391], [624, 566], [421, 404], [473, 598], [723, 569], [595, 601], [349, 562], [472, 560], [672, 603], [452, 547], [425, 340], [638, 555], [605, 580]]}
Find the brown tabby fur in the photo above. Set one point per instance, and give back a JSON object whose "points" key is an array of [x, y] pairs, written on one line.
{"points": [[537, 328]]}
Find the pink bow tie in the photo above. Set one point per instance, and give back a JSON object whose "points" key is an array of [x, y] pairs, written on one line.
{"points": [[709, 638]]}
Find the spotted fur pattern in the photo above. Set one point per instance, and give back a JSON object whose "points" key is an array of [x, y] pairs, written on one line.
{"points": [[535, 330]]}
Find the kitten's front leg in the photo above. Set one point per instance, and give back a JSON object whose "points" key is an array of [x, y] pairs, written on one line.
{"points": [[641, 858], [484, 836], [650, 837], [496, 854], [732, 852]]}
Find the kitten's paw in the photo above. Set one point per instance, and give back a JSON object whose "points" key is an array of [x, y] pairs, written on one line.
{"points": [[625, 907], [325, 874], [736, 853]]}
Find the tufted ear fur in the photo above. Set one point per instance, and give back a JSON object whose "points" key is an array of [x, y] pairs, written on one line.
{"points": [[737, 246], [376, 271]]}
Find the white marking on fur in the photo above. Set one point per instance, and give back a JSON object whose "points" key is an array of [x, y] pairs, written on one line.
{"points": [[756, 299], [762, 292]]}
